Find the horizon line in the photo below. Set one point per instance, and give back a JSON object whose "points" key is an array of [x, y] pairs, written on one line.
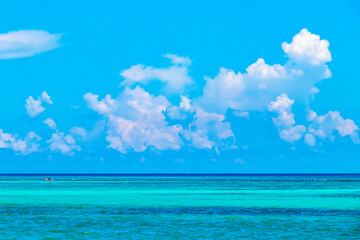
{"points": [[144, 174]]}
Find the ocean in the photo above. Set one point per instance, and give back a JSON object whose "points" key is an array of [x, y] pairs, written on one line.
{"points": [[166, 206]]}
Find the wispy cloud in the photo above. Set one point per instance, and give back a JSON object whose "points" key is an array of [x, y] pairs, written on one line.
{"points": [[27, 43], [176, 77]]}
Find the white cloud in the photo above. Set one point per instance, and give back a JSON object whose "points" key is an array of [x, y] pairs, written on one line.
{"points": [[135, 120], [200, 128], [102, 107], [34, 107], [63, 144], [50, 123], [208, 130], [260, 70], [23, 146], [285, 120], [78, 131], [222, 92], [292, 133], [175, 77], [310, 139], [45, 98], [321, 127], [177, 60], [262, 83], [26, 43], [324, 126], [183, 112], [307, 47], [282, 106]]}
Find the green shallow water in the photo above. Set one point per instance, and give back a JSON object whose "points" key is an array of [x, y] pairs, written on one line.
{"points": [[81, 207]]}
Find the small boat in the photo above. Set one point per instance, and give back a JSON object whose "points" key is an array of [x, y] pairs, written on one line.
{"points": [[47, 179]]}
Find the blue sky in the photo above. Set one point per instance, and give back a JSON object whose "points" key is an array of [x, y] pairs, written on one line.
{"points": [[212, 86]]}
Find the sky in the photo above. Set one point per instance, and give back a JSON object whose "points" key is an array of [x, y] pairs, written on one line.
{"points": [[179, 87]]}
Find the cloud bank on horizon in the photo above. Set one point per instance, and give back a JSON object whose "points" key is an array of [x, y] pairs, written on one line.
{"points": [[136, 119]]}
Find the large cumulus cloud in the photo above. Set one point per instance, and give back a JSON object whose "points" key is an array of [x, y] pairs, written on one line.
{"points": [[262, 83], [136, 119]]}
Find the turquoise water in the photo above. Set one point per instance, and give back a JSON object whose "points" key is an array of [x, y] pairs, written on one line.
{"points": [[180, 207]]}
